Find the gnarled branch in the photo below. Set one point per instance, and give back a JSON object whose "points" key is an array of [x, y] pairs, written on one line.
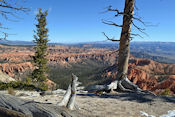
{"points": [[109, 38], [5, 35], [139, 29], [115, 10], [136, 35], [110, 23]]}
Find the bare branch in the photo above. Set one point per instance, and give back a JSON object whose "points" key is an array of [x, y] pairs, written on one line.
{"points": [[135, 18], [5, 35], [135, 7], [8, 9], [139, 29], [109, 8], [6, 14], [140, 20], [131, 38], [109, 38], [118, 13], [111, 23], [136, 35], [13, 5]]}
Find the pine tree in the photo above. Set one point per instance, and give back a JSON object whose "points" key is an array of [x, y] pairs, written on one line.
{"points": [[39, 60]]}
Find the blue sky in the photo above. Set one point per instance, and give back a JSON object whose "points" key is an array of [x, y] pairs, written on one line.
{"points": [[71, 21]]}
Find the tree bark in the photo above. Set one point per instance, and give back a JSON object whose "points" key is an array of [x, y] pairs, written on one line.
{"points": [[124, 50], [122, 81]]}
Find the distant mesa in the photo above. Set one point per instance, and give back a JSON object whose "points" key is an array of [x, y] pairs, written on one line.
{"points": [[20, 43], [8, 42]]}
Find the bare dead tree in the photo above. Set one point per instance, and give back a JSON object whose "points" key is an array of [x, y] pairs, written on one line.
{"points": [[9, 11], [122, 82]]}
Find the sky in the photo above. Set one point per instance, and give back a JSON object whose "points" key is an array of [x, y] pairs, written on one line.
{"points": [[74, 21]]}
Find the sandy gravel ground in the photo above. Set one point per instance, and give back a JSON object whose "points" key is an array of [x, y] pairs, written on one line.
{"points": [[111, 105]]}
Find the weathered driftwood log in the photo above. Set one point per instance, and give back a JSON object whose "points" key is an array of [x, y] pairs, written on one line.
{"points": [[69, 97], [11, 106]]}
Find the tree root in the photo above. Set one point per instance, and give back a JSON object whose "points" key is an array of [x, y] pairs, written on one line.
{"points": [[128, 86], [124, 85]]}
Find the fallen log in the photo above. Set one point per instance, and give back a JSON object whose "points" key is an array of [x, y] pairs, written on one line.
{"points": [[11, 106]]}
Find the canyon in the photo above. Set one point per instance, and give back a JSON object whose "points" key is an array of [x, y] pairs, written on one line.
{"points": [[148, 74], [15, 61]]}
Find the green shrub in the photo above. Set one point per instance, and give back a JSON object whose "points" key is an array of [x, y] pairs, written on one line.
{"points": [[28, 80], [166, 92], [21, 86], [43, 86]]}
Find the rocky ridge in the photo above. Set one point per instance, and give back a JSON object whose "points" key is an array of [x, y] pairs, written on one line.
{"points": [[146, 73]]}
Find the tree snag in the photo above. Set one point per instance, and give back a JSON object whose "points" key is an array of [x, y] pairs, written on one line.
{"points": [[122, 82], [124, 50], [69, 97]]}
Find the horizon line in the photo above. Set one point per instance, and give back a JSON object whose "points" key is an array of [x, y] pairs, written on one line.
{"points": [[104, 41]]}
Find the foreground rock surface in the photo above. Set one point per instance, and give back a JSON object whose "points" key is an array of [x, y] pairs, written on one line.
{"points": [[109, 105], [11, 106]]}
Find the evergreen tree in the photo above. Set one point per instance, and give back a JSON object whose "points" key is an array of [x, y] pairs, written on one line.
{"points": [[41, 39]]}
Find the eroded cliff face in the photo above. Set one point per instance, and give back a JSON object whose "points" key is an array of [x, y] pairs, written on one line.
{"points": [[16, 60], [148, 74], [12, 69], [16, 57]]}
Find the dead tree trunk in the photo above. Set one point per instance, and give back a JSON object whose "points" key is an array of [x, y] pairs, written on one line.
{"points": [[122, 82], [124, 50], [69, 97], [11, 106]]}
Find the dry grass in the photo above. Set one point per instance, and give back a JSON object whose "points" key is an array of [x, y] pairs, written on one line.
{"points": [[11, 91]]}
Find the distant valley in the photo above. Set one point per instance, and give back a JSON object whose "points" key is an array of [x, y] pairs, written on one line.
{"points": [[158, 51], [96, 63]]}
